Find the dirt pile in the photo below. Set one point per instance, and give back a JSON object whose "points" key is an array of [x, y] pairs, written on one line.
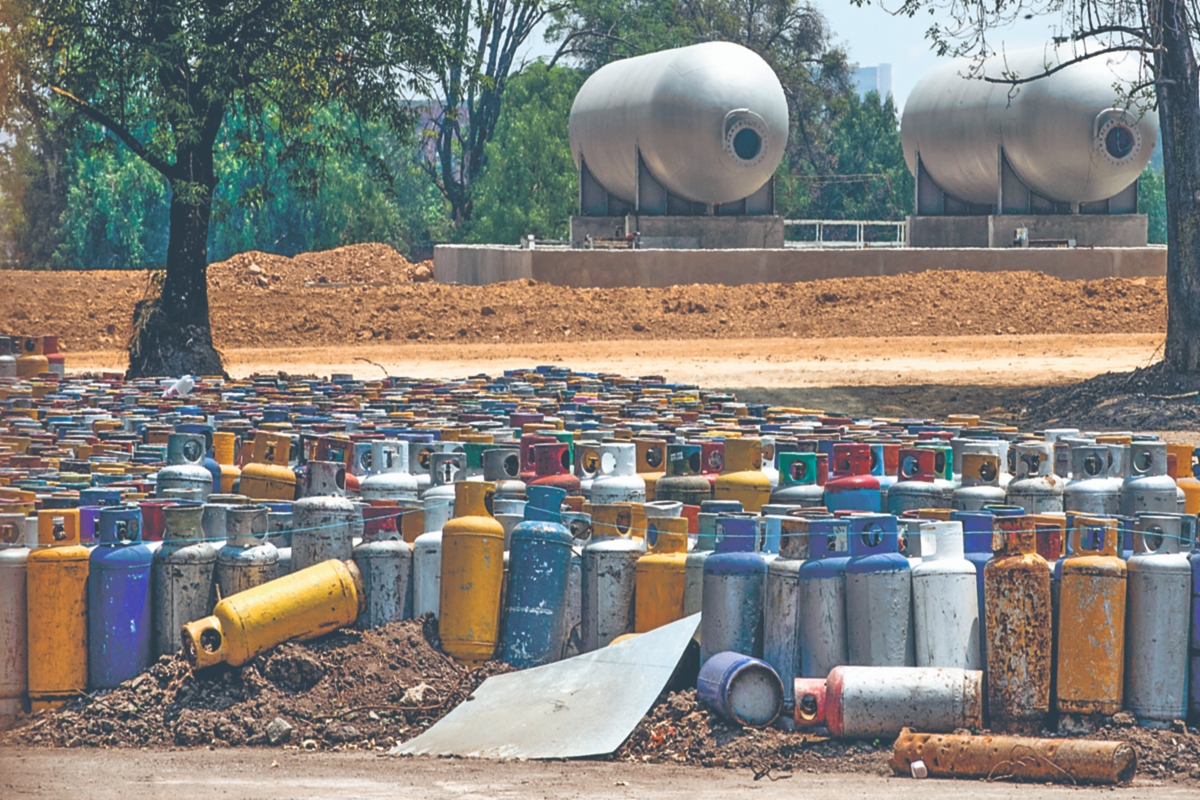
{"points": [[1153, 398], [351, 690], [1171, 755], [373, 300]]}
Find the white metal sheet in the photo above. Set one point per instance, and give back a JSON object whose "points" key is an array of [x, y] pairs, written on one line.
{"points": [[583, 706]]}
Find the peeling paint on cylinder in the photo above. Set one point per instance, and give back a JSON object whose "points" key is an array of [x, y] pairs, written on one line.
{"points": [[56, 597], [734, 583], [1035, 487], [1091, 621], [878, 595], [247, 560], [1156, 622], [781, 618], [182, 577], [822, 591], [1019, 628], [327, 523], [14, 641], [385, 561], [610, 574]]}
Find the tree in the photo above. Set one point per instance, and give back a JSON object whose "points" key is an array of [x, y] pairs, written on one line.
{"points": [[163, 77], [1163, 33], [530, 185], [485, 39], [1152, 202]]}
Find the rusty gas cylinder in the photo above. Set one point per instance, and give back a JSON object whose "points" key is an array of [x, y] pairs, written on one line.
{"points": [[1016, 588]]}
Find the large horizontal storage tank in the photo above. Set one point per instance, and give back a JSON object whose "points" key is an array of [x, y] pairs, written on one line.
{"points": [[1068, 136], [710, 122]]}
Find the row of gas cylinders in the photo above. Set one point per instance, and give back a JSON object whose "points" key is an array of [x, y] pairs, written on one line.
{"points": [[30, 356], [803, 589]]}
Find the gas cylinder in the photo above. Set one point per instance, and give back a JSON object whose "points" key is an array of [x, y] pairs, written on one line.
{"points": [[539, 573], [56, 362], [1148, 487], [587, 466], [980, 482], [822, 596], [610, 573], [879, 702], [185, 465], [781, 615], [851, 486], [1090, 635], [798, 483], [1019, 628], [472, 574], [427, 573], [916, 488], [742, 479], [8, 363], [209, 462], [552, 466], [885, 462], [1035, 487], [181, 577], [247, 559], [1092, 490], [326, 521], [389, 477], [267, 476], [706, 542], [225, 447], [385, 562], [1157, 619], [1194, 647], [56, 598], [945, 601], [683, 481], [961, 446], [1185, 477], [878, 594], [14, 675], [661, 574], [31, 361], [743, 690], [502, 466], [617, 480], [120, 626], [444, 470], [279, 533], [650, 462], [735, 579], [304, 605], [213, 523]]}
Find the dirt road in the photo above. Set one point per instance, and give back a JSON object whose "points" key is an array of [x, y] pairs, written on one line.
{"points": [[293, 775]]}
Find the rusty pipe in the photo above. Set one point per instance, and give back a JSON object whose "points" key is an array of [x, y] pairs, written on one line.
{"points": [[1015, 758]]}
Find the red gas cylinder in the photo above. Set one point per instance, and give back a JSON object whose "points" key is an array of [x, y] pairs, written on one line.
{"points": [[552, 463]]}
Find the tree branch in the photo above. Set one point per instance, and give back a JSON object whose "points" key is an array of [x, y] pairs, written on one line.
{"points": [[1016, 81], [563, 50], [120, 131]]}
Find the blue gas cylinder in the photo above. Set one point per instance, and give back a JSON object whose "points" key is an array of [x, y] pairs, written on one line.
{"points": [[735, 579], [539, 574], [119, 622], [707, 521], [878, 595], [210, 463], [822, 598], [851, 486]]}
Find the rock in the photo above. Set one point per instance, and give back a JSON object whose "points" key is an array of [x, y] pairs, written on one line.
{"points": [[1124, 719], [255, 269], [294, 669], [415, 695], [349, 733], [1179, 726], [262, 282], [422, 274], [279, 731], [487, 311], [639, 327]]}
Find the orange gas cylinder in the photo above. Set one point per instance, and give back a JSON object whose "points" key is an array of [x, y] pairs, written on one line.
{"points": [[56, 595], [658, 596], [743, 479], [472, 575], [651, 461], [267, 477], [1185, 465], [225, 447], [31, 357]]}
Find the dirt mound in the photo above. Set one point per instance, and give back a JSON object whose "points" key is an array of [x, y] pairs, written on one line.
{"points": [[366, 299], [1172, 755], [1153, 398], [352, 690], [679, 731]]}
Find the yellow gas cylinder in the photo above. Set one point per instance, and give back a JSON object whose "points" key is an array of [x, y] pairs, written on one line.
{"points": [[306, 604], [31, 357], [472, 575], [658, 598], [267, 476], [224, 448], [1184, 478], [56, 596], [742, 479], [651, 462], [1091, 621]]}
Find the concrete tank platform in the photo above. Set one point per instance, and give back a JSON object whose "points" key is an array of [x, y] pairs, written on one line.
{"points": [[477, 265]]}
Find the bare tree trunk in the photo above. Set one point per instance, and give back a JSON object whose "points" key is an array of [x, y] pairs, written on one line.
{"points": [[171, 333], [1179, 116]]}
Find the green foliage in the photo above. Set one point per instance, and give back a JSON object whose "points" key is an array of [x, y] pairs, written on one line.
{"points": [[1152, 201], [530, 185]]}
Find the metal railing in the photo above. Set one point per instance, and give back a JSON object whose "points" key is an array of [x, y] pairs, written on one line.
{"points": [[861, 231]]}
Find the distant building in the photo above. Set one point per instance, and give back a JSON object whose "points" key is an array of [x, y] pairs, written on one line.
{"points": [[877, 78]]}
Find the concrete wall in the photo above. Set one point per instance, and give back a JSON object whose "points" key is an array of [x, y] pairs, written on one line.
{"points": [[1088, 230], [483, 264], [685, 233]]}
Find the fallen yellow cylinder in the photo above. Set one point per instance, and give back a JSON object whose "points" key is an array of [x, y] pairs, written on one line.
{"points": [[56, 596], [303, 605], [1015, 758]]}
